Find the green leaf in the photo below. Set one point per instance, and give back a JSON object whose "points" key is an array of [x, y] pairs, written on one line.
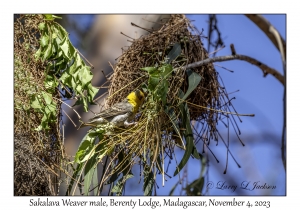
{"points": [[194, 80], [50, 83], [82, 151], [148, 181], [91, 168], [88, 155], [188, 134], [67, 48], [153, 82], [85, 75], [195, 188], [60, 30], [173, 118], [44, 122], [42, 26], [47, 97], [203, 165], [74, 177], [150, 70], [75, 64], [85, 150], [173, 189], [174, 53], [84, 100], [64, 46], [95, 181], [37, 54], [92, 91], [39, 128], [36, 103], [57, 17], [54, 35], [122, 167], [158, 163], [189, 143], [118, 188], [48, 52], [162, 90], [50, 110], [44, 40], [166, 70], [51, 17]]}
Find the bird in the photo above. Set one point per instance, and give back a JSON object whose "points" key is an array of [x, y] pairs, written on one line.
{"points": [[119, 114]]}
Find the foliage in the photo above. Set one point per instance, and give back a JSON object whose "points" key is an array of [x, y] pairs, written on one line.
{"points": [[158, 88], [64, 67], [47, 68], [37, 118], [90, 154]]}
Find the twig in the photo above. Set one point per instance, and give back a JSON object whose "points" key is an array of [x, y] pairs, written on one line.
{"points": [[280, 44], [49, 168], [127, 36], [133, 24], [69, 118], [233, 92], [232, 113], [265, 26], [63, 139], [69, 107], [66, 173], [100, 96], [266, 69], [126, 86], [65, 87], [102, 85], [282, 53], [231, 71], [105, 74], [85, 59], [213, 27], [217, 50], [233, 52], [163, 164]]}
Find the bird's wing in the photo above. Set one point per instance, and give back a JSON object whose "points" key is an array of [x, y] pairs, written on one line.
{"points": [[116, 109]]}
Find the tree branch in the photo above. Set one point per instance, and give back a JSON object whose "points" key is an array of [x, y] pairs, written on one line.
{"points": [[267, 28], [278, 41], [266, 69]]}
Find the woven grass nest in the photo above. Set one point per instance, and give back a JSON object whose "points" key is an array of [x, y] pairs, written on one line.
{"points": [[35, 152], [127, 73], [158, 131], [151, 49]]}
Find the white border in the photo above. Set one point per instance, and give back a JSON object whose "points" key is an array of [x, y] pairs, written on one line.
{"points": [[154, 6]]}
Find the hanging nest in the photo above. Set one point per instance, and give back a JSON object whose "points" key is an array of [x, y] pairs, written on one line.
{"points": [[128, 75], [161, 125], [36, 153], [150, 50]]}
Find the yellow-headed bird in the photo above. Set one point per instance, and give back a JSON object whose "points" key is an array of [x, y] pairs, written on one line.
{"points": [[119, 114]]}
